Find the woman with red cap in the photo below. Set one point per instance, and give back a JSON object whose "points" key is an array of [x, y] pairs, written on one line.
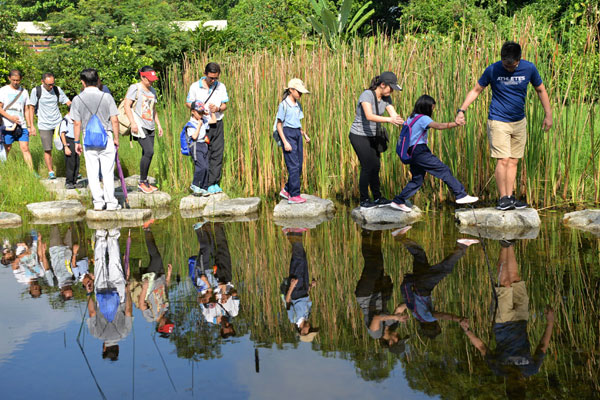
{"points": [[140, 108]]}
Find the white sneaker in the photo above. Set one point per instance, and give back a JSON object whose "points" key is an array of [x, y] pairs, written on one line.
{"points": [[400, 207], [467, 199], [467, 242]]}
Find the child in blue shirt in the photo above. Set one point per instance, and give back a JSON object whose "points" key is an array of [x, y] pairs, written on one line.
{"points": [[423, 160], [199, 148]]}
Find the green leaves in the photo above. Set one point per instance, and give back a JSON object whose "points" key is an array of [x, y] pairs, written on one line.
{"points": [[336, 29]]}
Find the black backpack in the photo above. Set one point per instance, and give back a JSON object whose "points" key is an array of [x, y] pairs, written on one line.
{"points": [[38, 94]]}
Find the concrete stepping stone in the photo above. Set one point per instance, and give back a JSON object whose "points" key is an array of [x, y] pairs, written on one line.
{"points": [[10, 220], [587, 220], [380, 218], [145, 200], [58, 187], [492, 233], [314, 207], [192, 202], [232, 207], [498, 220], [60, 210]]}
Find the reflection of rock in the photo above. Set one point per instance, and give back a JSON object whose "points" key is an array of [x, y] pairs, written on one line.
{"points": [[55, 221], [314, 207], [193, 213], [8, 220], [61, 210], [192, 202], [378, 217], [134, 180], [232, 207], [587, 220], [307, 222], [383, 227], [143, 200], [493, 233], [497, 219], [161, 213], [235, 218], [114, 224], [133, 214]]}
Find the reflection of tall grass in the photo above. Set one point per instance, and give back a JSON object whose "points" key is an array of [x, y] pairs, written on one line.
{"points": [[559, 166]]}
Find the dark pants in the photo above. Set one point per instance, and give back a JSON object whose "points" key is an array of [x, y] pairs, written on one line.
{"points": [[147, 145], [200, 165], [299, 270], [422, 162], [216, 134], [370, 164], [373, 279], [72, 163], [293, 160], [156, 263], [214, 250]]}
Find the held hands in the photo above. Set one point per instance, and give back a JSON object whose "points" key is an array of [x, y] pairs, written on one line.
{"points": [[213, 108], [397, 120], [460, 119], [464, 324]]}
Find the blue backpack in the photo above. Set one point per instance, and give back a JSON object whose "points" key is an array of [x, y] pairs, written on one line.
{"points": [[95, 137], [403, 145], [184, 140]]}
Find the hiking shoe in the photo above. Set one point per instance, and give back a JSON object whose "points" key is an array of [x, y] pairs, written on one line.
{"points": [[467, 242], [467, 200], [506, 243], [382, 202], [51, 175], [284, 194], [296, 200], [213, 189], [145, 188], [518, 204], [153, 188], [69, 186], [117, 208], [400, 207], [148, 223], [79, 185], [366, 204], [505, 203]]}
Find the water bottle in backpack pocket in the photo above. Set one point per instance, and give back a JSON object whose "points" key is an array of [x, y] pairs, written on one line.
{"points": [[403, 148]]}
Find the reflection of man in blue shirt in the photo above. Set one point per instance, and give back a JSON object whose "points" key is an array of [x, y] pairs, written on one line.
{"points": [[512, 356]]}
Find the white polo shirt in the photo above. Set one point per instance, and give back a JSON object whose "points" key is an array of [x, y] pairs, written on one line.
{"points": [[198, 92]]}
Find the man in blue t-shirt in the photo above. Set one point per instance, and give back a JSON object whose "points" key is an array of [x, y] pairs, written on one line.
{"points": [[507, 126]]}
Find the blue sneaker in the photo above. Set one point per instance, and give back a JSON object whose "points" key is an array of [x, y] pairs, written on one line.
{"points": [[198, 225], [51, 175], [195, 189], [211, 189], [218, 188]]}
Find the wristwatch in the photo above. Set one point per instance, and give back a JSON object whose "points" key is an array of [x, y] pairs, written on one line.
{"points": [[461, 110]]}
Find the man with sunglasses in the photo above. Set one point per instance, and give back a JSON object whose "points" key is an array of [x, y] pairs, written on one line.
{"points": [[44, 101], [212, 93], [507, 126]]}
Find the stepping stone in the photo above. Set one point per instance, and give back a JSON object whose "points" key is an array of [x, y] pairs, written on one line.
{"points": [[379, 218], [232, 207], [9, 220], [498, 220], [134, 180], [133, 214], [192, 202], [58, 187], [145, 200], [314, 207], [587, 220], [308, 222], [493, 233], [60, 210], [52, 185]]}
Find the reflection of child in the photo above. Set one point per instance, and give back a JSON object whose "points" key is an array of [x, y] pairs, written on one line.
{"points": [[71, 157], [199, 148]]}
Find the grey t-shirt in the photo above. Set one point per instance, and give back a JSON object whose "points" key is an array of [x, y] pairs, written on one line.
{"points": [[110, 332], [60, 259], [87, 102], [144, 108], [361, 125], [48, 113]]}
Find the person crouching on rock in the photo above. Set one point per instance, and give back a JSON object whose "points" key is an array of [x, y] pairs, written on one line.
{"points": [[196, 131], [290, 133]]}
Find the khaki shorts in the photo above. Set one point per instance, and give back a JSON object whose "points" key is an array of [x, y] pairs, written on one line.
{"points": [[507, 139], [513, 303], [46, 136]]}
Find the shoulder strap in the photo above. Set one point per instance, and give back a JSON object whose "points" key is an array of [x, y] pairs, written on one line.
{"points": [[377, 124], [56, 93], [99, 103], [38, 94], [15, 99], [415, 119], [211, 93]]}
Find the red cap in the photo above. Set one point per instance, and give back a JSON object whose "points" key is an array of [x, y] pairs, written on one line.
{"points": [[150, 75], [166, 328]]}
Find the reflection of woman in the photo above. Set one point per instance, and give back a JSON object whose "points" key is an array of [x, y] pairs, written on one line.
{"points": [[373, 291], [363, 134], [144, 121]]}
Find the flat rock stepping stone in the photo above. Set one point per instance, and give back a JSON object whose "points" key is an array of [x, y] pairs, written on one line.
{"points": [[133, 214], [58, 187], [376, 218], [587, 220], [60, 210], [232, 207], [488, 232], [314, 207], [192, 202], [134, 180], [307, 222], [145, 200], [497, 219], [8, 220], [53, 185]]}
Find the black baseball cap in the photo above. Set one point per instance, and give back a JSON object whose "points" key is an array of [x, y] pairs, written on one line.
{"points": [[390, 79]]}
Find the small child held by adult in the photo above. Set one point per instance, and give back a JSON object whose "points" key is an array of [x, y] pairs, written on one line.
{"points": [[423, 161], [72, 159], [196, 130]]}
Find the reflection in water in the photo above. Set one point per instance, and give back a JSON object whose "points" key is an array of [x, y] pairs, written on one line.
{"points": [[68, 258], [28, 262], [512, 355], [210, 273], [110, 315], [295, 289]]}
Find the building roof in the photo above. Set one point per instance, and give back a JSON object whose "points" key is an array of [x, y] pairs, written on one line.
{"points": [[39, 28], [31, 28]]}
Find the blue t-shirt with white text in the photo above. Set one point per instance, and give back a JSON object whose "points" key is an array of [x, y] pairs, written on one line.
{"points": [[509, 89]]}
